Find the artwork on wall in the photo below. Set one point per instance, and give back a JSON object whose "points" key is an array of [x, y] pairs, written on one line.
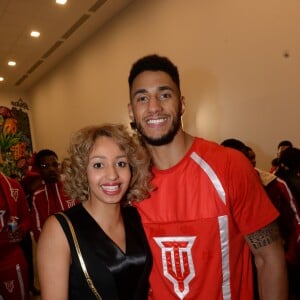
{"points": [[15, 139]]}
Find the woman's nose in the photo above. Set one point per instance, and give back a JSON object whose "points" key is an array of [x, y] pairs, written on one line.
{"points": [[112, 173]]}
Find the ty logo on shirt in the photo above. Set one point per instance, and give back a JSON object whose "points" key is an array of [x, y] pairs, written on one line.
{"points": [[177, 261]]}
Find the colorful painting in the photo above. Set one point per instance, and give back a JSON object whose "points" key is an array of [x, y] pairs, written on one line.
{"points": [[15, 139]]}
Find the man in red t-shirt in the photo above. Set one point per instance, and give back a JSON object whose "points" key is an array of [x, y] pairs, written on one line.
{"points": [[209, 209]]}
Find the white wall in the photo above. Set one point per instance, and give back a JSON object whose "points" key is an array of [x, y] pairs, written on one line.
{"points": [[230, 54]]}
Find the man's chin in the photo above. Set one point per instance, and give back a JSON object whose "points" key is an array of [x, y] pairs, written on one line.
{"points": [[158, 141], [162, 139]]}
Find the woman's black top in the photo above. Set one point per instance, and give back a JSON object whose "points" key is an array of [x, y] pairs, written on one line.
{"points": [[116, 275]]}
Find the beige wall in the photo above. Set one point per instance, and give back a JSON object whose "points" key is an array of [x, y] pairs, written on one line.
{"points": [[230, 54], [6, 97]]}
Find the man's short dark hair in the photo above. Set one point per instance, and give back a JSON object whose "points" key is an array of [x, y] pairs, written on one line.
{"points": [[41, 154], [237, 145], [290, 158], [285, 143], [234, 143], [154, 62]]}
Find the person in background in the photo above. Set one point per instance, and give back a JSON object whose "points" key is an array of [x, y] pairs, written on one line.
{"points": [[48, 197], [107, 170], [251, 155], [209, 209], [237, 145], [289, 219], [289, 171], [283, 145], [30, 182], [15, 222]]}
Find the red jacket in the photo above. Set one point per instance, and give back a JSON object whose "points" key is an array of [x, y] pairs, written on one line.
{"points": [[47, 200], [12, 204]]}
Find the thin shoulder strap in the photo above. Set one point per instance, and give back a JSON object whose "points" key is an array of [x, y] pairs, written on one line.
{"points": [[81, 260]]}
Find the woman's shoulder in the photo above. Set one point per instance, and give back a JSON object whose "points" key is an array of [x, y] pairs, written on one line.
{"points": [[72, 211], [52, 230]]}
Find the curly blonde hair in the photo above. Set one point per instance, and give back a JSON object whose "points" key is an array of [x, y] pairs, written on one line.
{"points": [[74, 166]]}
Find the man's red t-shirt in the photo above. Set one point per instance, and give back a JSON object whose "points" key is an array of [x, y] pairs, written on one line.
{"points": [[196, 221]]}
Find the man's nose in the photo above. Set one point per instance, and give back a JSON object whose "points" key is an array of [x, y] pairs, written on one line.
{"points": [[154, 104]]}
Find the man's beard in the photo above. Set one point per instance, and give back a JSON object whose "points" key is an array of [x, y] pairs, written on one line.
{"points": [[166, 138]]}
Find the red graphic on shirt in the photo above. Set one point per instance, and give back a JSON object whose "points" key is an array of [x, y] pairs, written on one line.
{"points": [[177, 262], [9, 285]]}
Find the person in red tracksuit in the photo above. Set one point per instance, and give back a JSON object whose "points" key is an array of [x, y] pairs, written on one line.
{"points": [[289, 219], [15, 222], [49, 196]]}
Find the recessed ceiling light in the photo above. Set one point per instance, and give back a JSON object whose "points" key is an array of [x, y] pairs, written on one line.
{"points": [[34, 33], [11, 63], [62, 2], [1, 78]]}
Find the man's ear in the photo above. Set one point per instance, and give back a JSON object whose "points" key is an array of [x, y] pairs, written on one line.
{"points": [[182, 100], [130, 112]]}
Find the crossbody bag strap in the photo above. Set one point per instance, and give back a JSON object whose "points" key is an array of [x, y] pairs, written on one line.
{"points": [[81, 260]]}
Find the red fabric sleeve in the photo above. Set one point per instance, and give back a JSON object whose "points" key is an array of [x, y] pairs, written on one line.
{"points": [[22, 207], [251, 207]]}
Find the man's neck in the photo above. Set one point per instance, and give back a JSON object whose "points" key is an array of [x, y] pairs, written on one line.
{"points": [[166, 156]]}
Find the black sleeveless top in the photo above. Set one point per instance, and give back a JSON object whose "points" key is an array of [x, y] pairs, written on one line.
{"points": [[116, 275]]}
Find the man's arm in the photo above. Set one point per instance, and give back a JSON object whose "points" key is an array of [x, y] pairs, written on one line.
{"points": [[266, 246]]}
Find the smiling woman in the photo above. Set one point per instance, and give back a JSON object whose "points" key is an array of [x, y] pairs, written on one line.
{"points": [[107, 170]]}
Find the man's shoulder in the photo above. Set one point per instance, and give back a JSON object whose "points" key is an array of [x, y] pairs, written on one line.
{"points": [[212, 150], [222, 160], [6, 180]]}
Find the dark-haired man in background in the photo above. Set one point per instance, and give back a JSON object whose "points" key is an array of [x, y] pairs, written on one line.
{"points": [[49, 196]]}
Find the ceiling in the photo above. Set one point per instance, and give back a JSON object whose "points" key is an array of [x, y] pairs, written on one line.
{"points": [[63, 29]]}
